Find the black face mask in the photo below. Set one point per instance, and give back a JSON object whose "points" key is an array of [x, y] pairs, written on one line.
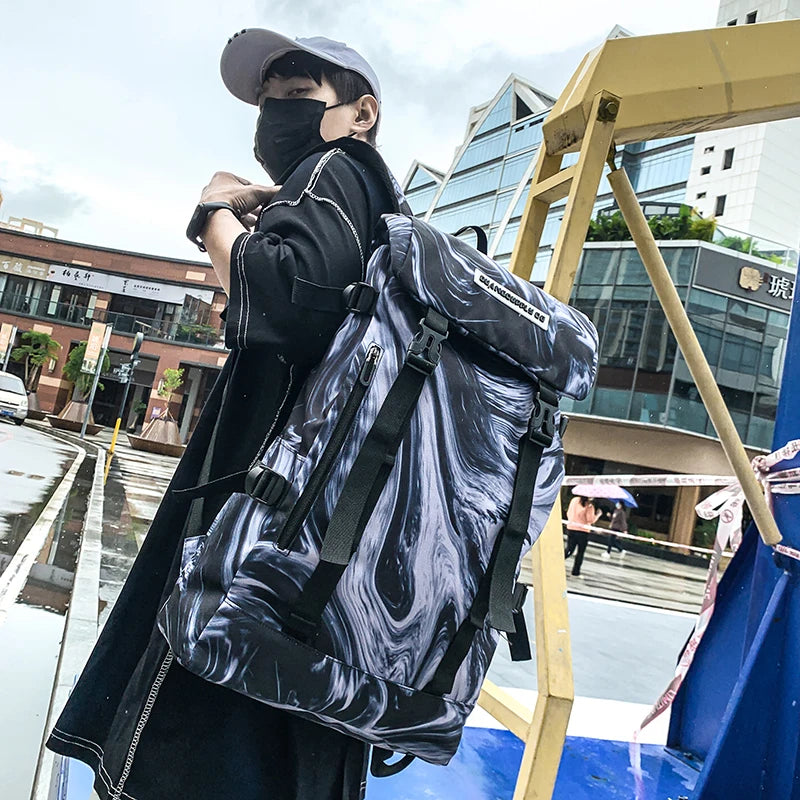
{"points": [[286, 130]]}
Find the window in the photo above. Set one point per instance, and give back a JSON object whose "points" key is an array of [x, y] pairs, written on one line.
{"points": [[709, 149], [521, 109], [727, 161], [751, 17], [731, 23], [705, 170], [719, 208], [700, 195]]}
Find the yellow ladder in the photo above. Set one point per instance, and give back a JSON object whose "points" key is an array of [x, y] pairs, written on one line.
{"points": [[544, 729]]}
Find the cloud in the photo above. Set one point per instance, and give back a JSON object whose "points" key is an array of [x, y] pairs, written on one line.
{"points": [[45, 201], [112, 138]]}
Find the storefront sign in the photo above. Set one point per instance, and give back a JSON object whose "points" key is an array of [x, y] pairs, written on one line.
{"points": [[94, 347], [750, 281], [23, 268], [119, 284], [780, 286]]}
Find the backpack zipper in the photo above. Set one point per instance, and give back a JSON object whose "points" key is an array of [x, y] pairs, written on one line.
{"points": [[322, 471]]}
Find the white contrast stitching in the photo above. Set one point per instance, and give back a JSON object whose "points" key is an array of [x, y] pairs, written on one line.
{"points": [[349, 224], [96, 751], [143, 719], [274, 421], [241, 303], [246, 286]]}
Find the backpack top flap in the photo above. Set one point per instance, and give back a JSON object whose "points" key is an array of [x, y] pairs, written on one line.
{"points": [[549, 340]]}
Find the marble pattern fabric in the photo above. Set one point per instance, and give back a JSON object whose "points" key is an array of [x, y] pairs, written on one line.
{"points": [[427, 543]]}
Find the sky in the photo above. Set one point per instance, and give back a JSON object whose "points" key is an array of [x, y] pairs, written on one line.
{"points": [[113, 116]]}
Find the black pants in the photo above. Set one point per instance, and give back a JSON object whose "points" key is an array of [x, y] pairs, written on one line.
{"points": [[613, 541], [576, 540]]}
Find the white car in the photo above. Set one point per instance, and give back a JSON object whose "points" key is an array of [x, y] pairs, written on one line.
{"points": [[13, 398]]}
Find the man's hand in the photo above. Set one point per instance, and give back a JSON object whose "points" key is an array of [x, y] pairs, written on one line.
{"points": [[245, 197]]}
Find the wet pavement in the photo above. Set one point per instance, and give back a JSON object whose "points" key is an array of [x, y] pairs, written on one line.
{"points": [[31, 465], [32, 623], [623, 653]]}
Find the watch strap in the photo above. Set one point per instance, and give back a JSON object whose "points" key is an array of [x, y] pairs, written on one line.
{"points": [[199, 217]]}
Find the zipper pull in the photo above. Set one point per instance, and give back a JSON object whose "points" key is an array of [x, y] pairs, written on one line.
{"points": [[370, 366]]}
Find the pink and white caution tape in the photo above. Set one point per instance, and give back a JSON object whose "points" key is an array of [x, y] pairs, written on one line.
{"points": [[726, 504]]}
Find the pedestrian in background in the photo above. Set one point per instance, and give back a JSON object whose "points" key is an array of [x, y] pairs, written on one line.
{"points": [[619, 522], [581, 514]]}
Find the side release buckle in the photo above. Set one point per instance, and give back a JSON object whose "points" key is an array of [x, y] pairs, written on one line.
{"points": [[542, 424], [425, 350]]}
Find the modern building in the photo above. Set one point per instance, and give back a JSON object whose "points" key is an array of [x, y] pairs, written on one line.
{"points": [[644, 414], [749, 177], [58, 287]]}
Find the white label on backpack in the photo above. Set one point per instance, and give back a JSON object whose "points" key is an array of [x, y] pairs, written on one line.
{"points": [[512, 300]]}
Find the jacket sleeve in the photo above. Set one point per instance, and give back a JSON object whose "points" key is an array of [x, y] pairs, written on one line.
{"points": [[319, 229]]}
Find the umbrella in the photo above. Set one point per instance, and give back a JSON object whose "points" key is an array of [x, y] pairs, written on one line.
{"points": [[605, 491]]}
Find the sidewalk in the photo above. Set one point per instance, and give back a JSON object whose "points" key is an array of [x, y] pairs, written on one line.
{"points": [[137, 481], [623, 652]]}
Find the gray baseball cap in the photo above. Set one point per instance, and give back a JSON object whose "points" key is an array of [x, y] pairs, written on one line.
{"points": [[249, 52]]}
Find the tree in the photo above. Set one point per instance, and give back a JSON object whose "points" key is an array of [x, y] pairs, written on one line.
{"points": [[170, 382], [39, 348], [82, 380], [161, 435]]}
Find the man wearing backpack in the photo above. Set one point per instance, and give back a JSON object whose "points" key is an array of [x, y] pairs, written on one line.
{"points": [[147, 727]]}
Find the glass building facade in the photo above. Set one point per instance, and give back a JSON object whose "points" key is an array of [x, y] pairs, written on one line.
{"points": [[488, 180], [642, 376]]}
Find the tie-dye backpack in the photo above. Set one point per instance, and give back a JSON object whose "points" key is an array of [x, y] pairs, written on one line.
{"points": [[362, 577]]}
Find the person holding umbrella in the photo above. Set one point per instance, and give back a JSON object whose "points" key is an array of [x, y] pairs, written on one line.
{"points": [[581, 514], [619, 522]]}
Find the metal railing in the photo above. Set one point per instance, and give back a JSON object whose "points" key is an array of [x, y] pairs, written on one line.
{"points": [[74, 314]]}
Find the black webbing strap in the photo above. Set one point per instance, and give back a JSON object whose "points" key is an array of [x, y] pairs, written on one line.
{"points": [[497, 584], [482, 245], [541, 430], [260, 482], [374, 463], [445, 675], [380, 766], [518, 643], [368, 475], [359, 297], [227, 483]]}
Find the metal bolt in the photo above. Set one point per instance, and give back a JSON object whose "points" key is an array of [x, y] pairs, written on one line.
{"points": [[608, 110]]}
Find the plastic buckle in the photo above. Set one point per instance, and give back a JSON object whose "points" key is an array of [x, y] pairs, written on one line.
{"points": [[360, 297], [542, 424], [425, 350], [265, 485]]}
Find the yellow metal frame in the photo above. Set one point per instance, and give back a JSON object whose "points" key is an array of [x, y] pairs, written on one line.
{"points": [[629, 90]]}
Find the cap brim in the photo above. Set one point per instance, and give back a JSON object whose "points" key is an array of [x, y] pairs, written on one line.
{"points": [[246, 54]]}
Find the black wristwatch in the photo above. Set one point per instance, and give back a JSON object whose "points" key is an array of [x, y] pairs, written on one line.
{"points": [[198, 220]]}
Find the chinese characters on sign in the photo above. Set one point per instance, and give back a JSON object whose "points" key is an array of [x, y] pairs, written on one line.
{"points": [[781, 287], [22, 267]]}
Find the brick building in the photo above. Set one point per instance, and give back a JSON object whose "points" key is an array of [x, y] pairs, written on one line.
{"points": [[60, 287]]}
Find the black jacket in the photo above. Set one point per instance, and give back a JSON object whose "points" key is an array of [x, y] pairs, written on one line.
{"points": [[166, 733]]}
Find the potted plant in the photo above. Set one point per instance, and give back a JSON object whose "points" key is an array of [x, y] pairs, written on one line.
{"points": [[161, 434], [139, 409], [37, 349], [71, 417]]}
